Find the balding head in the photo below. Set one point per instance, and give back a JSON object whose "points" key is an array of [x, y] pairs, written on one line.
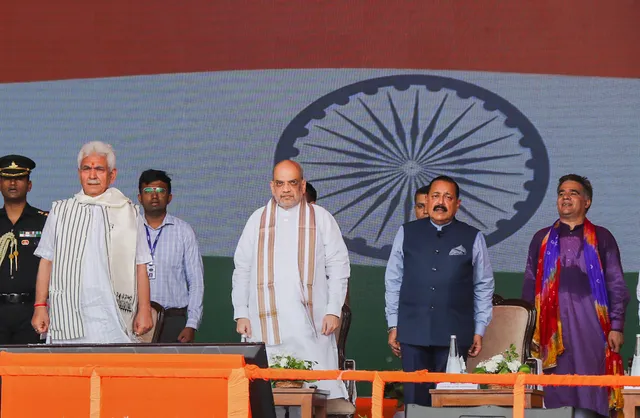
{"points": [[286, 166], [288, 185]]}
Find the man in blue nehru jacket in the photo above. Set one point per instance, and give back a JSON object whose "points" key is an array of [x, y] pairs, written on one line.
{"points": [[438, 283]]}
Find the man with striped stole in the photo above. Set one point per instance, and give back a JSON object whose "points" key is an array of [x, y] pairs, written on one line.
{"points": [[93, 261], [290, 278]]}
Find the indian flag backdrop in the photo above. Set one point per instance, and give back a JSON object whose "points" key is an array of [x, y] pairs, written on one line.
{"points": [[373, 98]]}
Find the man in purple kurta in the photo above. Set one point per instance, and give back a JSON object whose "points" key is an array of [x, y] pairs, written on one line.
{"points": [[582, 334]]}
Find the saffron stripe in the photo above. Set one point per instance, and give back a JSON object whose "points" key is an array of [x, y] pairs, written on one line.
{"points": [[273, 312], [311, 261], [301, 237], [261, 304]]}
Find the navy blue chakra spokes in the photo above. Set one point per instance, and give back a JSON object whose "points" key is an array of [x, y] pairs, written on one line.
{"points": [[368, 146]]}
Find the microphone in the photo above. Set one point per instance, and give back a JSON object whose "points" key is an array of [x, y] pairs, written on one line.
{"points": [[440, 233]]}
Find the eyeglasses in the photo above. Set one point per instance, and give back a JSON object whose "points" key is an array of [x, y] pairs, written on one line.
{"points": [[159, 190]]}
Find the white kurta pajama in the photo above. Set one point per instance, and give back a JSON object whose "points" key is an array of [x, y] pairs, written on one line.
{"points": [[294, 320], [101, 319]]}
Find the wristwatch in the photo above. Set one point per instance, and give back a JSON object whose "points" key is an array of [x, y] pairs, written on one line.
{"points": [[390, 329]]}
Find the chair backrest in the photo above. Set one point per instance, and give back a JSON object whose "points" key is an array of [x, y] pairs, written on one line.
{"points": [[157, 318], [341, 334], [513, 322]]}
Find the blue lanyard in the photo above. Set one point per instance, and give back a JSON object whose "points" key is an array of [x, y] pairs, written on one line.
{"points": [[152, 248]]}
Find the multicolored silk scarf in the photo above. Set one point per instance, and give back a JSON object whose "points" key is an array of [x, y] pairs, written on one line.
{"points": [[547, 338]]}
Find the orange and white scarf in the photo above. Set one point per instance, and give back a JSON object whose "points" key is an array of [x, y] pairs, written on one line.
{"points": [[306, 250]]}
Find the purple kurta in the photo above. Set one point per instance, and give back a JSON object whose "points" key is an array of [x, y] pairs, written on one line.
{"points": [[584, 342]]}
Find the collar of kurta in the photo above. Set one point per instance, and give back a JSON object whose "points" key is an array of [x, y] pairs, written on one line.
{"points": [[565, 227]]}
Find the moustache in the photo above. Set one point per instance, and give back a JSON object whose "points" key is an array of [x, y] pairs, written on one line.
{"points": [[93, 182], [436, 207]]}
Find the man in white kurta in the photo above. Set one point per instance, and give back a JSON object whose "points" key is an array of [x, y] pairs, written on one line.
{"points": [[92, 285], [301, 313], [101, 319]]}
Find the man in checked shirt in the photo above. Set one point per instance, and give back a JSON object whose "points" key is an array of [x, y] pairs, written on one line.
{"points": [[176, 273]]}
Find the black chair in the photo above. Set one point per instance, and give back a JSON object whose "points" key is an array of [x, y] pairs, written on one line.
{"points": [[341, 333], [496, 299], [340, 407], [157, 317]]}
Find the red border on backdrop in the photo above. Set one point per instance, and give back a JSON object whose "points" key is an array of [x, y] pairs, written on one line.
{"points": [[44, 40]]}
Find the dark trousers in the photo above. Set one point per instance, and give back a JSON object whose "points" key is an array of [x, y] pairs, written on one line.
{"points": [[15, 324], [432, 358], [173, 326]]}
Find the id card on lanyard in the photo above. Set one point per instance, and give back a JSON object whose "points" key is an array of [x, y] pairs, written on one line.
{"points": [[151, 267]]}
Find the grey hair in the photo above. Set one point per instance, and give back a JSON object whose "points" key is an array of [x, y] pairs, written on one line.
{"points": [[100, 148]]}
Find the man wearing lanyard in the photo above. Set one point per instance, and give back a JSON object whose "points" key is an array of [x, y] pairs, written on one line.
{"points": [[176, 272]]}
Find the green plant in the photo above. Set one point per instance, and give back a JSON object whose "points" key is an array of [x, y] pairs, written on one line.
{"points": [[292, 363], [394, 390], [503, 363]]}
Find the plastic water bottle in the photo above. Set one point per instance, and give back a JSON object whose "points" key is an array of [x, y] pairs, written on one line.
{"points": [[453, 362]]}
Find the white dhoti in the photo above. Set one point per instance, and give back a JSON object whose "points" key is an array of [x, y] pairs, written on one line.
{"points": [[295, 307]]}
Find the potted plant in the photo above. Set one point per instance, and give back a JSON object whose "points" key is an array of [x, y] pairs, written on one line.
{"points": [[506, 362], [395, 390], [290, 362]]}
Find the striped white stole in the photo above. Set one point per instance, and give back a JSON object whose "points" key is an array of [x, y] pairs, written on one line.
{"points": [[306, 249], [72, 228]]}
